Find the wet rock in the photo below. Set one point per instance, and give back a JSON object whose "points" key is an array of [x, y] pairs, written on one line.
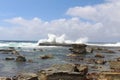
{"points": [[99, 55], [5, 78], [100, 61], [92, 76], [83, 69], [9, 58], [15, 52], [48, 56], [109, 76], [89, 50], [20, 59], [26, 76], [78, 48], [115, 65], [118, 59], [63, 72]]}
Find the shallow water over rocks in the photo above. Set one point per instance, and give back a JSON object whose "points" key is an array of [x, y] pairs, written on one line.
{"points": [[35, 63]]}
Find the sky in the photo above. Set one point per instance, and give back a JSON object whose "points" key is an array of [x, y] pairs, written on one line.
{"points": [[94, 20]]}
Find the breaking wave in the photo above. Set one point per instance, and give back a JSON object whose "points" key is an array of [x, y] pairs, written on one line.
{"points": [[61, 39]]}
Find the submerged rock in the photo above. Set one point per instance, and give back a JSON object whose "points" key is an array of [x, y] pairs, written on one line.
{"points": [[20, 59], [9, 58], [71, 55], [100, 61], [26, 76], [48, 56], [99, 56]]}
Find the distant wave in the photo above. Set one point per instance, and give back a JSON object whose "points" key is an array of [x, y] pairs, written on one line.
{"points": [[117, 44], [17, 44]]}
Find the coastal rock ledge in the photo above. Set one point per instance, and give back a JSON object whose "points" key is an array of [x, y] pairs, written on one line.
{"points": [[64, 72]]}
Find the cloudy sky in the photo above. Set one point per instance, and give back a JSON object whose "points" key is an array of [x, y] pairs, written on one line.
{"points": [[96, 20]]}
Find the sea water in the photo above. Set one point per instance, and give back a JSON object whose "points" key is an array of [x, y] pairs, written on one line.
{"points": [[32, 51]]}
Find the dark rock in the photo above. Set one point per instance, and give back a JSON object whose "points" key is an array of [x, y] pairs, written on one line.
{"points": [[99, 56], [48, 56], [78, 48], [20, 59], [9, 58]]}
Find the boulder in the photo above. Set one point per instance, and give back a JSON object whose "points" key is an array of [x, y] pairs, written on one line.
{"points": [[20, 59], [78, 48]]}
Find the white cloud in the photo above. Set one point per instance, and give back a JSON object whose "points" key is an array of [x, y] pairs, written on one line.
{"points": [[102, 24], [36, 28]]}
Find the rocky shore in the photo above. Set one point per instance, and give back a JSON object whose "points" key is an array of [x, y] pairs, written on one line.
{"points": [[95, 67]]}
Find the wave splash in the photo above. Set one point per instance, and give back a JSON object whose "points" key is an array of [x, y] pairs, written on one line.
{"points": [[61, 39]]}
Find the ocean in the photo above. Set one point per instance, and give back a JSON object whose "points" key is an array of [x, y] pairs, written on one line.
{"points": [[32, 51]]}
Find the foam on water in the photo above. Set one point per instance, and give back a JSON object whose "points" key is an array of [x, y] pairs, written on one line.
{"points": [[53, 39]]}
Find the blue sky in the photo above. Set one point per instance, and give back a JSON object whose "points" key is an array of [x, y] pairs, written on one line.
{"points": [[75, 19], [45, 9]]}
